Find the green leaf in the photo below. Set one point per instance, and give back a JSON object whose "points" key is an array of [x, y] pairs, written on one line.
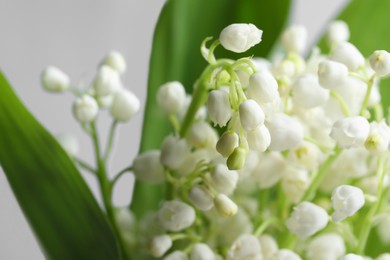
{"points": [[181, 28], [51, 192]]}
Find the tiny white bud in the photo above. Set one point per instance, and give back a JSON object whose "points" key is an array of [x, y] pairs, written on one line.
{"points": [[378, 139], [54, 79], [176, 255], [240, 37], [246, 246], [225, 206], [202, 251], [346, 201], [116, 61], [224, 180], [171, 97], [285, 254], [307, 219], [380, 62], [174, 151], [251, 115], [175, 215], [107, 81], [69, 144], [307, 93], [352, 257], [159, 245], [326, 246], [295, 182], [218, 106], [269, 246], [124, 105], [147, 167], [85, 109], [227, 143], [202, 135], [263, 87], [259, 139], [201, 198], [286, 132], [349, 55], [332, 74], [294, 38], [338, 32], [350, 131]]}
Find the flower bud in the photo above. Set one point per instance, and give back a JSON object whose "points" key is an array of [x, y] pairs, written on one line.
{"points": [[115, 60], [349, 55], [224, 180], [202, 251], [202, 135], [380, 62], [352, 257], [124, 105], [175, 215], [325, 247], [307, 219], [68, 143], [332, 74], [225, 206], [263, 87], [53, 79], [227, 143], [246, 246], [201, 198], [338, 32], [269, 246], [379, 137], [350, 131], [174, 151], [307, 93], [285, 254], [286, 132], [259, 139], [176, 255], [237, 159], [147, 167], [159, 245], [294, 38], [240, 37], [171, 97], [85, 109], [218, 106], [251, 115], [269, 170], [107, 81], [346, 201], [294, 183]]}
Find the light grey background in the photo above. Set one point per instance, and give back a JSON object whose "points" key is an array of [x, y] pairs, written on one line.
{"points": [[74, 35]]}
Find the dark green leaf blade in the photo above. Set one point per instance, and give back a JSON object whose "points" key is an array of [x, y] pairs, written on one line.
{"points": [[175, 56], [51, 192]]}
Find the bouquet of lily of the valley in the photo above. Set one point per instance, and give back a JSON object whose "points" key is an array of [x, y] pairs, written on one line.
{"points": [[281, 158]]}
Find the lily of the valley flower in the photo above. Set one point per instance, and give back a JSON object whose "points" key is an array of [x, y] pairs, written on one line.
{"points": [[240, 37]]}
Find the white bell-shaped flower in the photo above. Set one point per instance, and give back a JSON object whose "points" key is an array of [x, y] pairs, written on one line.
{"points": [[68, 143], [55, 80], [378, 139], [259, 139], [294, 38], [326, 246], [159, 245], [174, 151], [202, 135], [350, 131], [218, 106], [201, 251], [124, 105], [176, 255], [285, 254], [380, 62], [295, 181], [263, 87], [224, 180], [107, 81], [286, 132], [346, 201], [246, 246], [85, 109], [349, 55], [240, 37], [171, 97], [332, 74], [116, 61], [307, 219], [269, 246], [338, 32], [269, 170], [307, 156], [225, 206], [201, 198], [307, 93], [352, 257], [227, 143], [175, 215], [147, 167], [251, 115]]}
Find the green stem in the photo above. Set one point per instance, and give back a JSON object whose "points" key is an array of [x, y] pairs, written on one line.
{"points": [[175, 123], [110, 140], [370, 84], [265, 225], [119, 174], [341, 102], [85, 165]]}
